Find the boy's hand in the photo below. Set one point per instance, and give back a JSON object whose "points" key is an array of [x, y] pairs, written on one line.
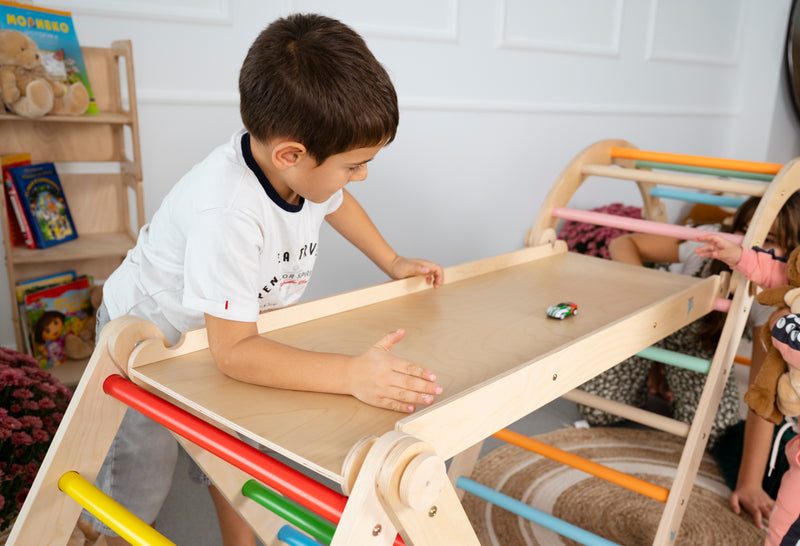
{"points": [[719, 248], [383, 380], [408, 267]]}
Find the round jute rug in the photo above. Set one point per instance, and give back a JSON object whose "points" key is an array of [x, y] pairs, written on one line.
{"points": [[605, 509]]}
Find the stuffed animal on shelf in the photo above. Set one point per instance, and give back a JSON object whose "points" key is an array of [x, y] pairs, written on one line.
{"points": [[774, 391], [80, 343], [25, 87]]}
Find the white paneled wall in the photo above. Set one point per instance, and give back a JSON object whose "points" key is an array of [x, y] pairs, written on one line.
{"points": [[496, 97]]}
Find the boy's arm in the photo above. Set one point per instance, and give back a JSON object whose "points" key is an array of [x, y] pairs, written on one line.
{"points": [[376, 377], [352, 222]]}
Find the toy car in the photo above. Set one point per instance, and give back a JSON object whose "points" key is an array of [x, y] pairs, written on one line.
{"points": [[562, 310]]}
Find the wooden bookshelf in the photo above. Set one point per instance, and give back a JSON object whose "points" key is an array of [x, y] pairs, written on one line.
{"points": [[107, 208]]}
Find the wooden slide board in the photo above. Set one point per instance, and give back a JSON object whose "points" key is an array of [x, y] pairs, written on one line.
{"points": [[484, 332]]}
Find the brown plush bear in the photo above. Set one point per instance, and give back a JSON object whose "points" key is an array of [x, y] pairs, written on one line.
{"points": [[775, 376], [25, 87], [79, 345]]}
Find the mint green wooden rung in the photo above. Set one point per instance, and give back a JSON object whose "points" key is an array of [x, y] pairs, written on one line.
{"points": [[672, 358], [704, 170]]}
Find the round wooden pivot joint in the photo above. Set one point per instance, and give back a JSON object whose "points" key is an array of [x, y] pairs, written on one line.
{"points": [[422, 481]]}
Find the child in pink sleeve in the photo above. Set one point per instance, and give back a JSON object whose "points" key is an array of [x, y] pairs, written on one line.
{"points": [[767, 270], [758, 265]]}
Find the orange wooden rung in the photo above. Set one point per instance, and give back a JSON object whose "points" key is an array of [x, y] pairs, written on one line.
{"points": [[595, 469], [741, 360], [697, 161]]}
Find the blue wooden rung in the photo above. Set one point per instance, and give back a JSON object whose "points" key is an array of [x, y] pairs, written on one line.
{"points": [[530, 513]]}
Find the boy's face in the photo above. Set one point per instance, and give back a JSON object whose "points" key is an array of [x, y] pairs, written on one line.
{"points": [[318, 182]]}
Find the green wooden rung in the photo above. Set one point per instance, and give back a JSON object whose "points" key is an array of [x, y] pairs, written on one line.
{"points": [[673, 358], [299, 516], [704, 170]]}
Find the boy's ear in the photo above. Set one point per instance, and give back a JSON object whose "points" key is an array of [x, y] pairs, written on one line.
{"points": [[287, 154]]}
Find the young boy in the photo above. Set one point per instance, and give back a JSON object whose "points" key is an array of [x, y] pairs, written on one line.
{"points": [[239, 233]]}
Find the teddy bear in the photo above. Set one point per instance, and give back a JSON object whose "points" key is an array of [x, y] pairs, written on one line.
{"points": [[79, 344], [25, 87], [774, 391]]}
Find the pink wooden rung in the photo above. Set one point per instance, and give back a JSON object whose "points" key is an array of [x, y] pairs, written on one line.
{"points": [[638, 225]]}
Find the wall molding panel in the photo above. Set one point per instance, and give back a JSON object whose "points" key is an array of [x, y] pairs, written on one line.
{"points": [[191, 99], [411, 20], [709, 32], [216, 12], [563, 27]]}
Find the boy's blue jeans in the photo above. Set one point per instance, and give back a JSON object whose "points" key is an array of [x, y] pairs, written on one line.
{"points": [[137, 471]]}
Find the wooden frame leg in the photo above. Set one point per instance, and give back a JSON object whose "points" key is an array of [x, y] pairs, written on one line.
{"points": [[403, 485], [420, 499], [462, 465], [82, 440]]}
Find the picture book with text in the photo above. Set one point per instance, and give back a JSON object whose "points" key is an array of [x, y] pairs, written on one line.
{"points": [[54, 34], [44, 204], [17, 222], [30, 286], [53, 314]]}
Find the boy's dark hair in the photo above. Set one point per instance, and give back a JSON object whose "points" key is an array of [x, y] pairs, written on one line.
{"points": [[313, 79]]}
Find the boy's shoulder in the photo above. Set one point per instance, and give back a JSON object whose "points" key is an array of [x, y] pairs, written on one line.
{"points": [[220, 178]]}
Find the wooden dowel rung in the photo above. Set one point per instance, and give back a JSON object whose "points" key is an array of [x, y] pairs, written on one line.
{"points": [[697, 160], [726, 173], [610, 475], [294, 537], [674, 358], [643, 417], [697, 197], [638, 225], [110, 512], [679, 180], [304, 519], [723, 304], [530, 513], [743, 360]]}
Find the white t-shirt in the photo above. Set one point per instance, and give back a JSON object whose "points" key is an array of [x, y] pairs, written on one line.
{"points": [[223, 242]]}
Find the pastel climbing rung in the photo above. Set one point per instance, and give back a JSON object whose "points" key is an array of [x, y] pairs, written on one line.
{"points": [[678, 180], [697, 197], [673, 358], [637, 225], [293, 537], [590, 467], [727, 173], [696, 160], [530, 513], [704, 170]]}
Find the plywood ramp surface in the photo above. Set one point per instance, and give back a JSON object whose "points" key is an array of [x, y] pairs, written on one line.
{"points": [[468, 331]]}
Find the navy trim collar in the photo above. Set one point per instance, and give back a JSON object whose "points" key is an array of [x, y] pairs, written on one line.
{"points": [[247, 153]]}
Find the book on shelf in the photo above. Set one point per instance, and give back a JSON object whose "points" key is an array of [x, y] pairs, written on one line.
{"points": [[17, 222], [54, 34], [44, 204], [23, 288], [55, 313]]}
